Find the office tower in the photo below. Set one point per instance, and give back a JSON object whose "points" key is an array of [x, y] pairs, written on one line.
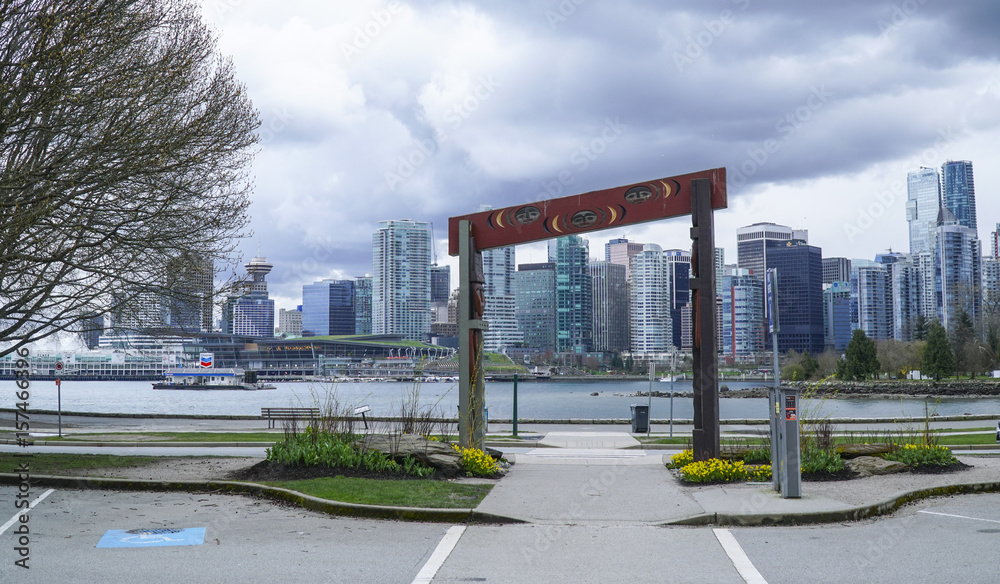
{"points": [[837, 327], [189, 304], [574, 304], [535, 305], [720, 268], [960, 263], [923, 201], [958, 192], [610, 294], [620, 251], [996, 242], [836, 270], [498, 271], [649, 302], [754, 242], [742, 317], [91, 330], [252, 315], [440, 283], [363, 305], [290, 322], [401, 282], [679, 280], [800, 295], [872, 292], [328, 308]]}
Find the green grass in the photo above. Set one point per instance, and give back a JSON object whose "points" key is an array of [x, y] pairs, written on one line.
{"points": [[55, 463], [184, 436], [396, 493]]}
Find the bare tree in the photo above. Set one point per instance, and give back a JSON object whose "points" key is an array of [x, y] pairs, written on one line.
{"points": [[125, 142]]}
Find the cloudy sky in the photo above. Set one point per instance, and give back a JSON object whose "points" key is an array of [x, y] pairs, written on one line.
{"points": [[426, 109]]}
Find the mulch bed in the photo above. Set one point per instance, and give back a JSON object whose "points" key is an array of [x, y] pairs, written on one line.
{"points": [[939, 469], [844, 474]]}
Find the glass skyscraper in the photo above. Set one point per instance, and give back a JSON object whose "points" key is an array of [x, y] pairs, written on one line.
{"points": [[649, 302], [610, 294], [923, 202], [574, 302], [328, 308], [959, 191], [800, 296], [535, 305], [401, 279]]}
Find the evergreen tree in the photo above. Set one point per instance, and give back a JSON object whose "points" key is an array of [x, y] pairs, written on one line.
{"points": [[937, 359], [920, 328], [809, 365], [861, 357]]}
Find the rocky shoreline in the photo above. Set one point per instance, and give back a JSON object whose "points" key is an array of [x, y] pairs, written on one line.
{"points": [[863, 390]]}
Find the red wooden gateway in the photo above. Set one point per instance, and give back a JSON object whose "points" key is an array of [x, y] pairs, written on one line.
{"points": [[593, 211]]}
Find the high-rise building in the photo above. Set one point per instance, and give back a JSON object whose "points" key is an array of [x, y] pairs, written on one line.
{"points": [[991, 285], [837, 328], [800, 295], [742, 317], [328, 308], [923, 202], [679, 280], [363, 305], [620, 251], [996, 242], [836, 270], [905, 281], [871, 290], [252, 315], [498, 288], [440, 283], [290, 322], [958, 191], [649, 302], [535, 304], [574, 301], [960, 263], [401, 281], [610, 296], [754, 242], [189, 305], [928, 283]]}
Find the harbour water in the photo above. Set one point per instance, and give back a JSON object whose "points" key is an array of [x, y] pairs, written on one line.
{"points": [[541, 400]]}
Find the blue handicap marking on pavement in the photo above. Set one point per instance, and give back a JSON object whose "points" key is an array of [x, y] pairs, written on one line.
{"points": [[152, 537]]}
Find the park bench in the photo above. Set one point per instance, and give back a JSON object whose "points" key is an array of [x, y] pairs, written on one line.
{"points": [[293, 414]]}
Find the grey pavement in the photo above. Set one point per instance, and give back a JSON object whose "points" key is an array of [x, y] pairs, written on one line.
{"points": [[593, 473]]}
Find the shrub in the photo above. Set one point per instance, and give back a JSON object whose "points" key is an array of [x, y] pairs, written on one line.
{"points": [[318, 448], [760, 473], [758, 456], [477, 463], [922, 454], [815, 460]]}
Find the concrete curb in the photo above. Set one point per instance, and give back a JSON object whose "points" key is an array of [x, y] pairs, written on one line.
{"points": [[416, 514], [125, 444], [858, 513]]}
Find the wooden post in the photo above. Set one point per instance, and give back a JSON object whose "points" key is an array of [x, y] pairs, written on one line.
{"points": [[705, 436]]}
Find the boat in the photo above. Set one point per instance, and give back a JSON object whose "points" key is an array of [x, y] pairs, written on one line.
{"points": [[210, 378]]}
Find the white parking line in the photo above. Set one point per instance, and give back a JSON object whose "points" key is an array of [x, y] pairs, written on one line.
{"points": [[441, 553], [739, 558], [948, 515], [14, 519]]}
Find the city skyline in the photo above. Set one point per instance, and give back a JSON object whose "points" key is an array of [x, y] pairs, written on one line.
{"points": [[369, 112]]}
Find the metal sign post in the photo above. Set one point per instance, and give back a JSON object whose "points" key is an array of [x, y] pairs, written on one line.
{"points": [[774, 406]]}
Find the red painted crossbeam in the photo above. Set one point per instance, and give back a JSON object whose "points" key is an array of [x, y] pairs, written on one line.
{"points": [[605, 209]]}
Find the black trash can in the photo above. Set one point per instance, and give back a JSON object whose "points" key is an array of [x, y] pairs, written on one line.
{"points": [[640, 418]]}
